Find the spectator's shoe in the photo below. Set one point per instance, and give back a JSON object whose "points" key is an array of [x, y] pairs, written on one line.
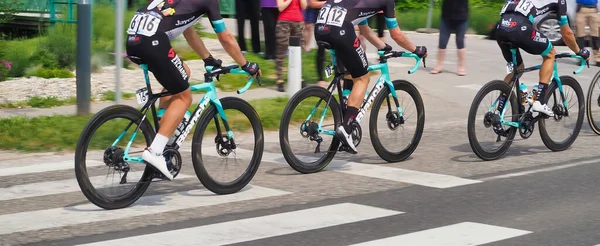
{"points": [[280, 87]]}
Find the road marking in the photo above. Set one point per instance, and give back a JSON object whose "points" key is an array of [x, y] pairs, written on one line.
{"points": [[260, 227], [147, 205], [48, 167], [547, 169], [65, 186], [461, 234], [376, 171], [474, 87]]}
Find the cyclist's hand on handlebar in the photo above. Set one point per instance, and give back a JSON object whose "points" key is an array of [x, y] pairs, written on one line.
{"points": [[387, 48], [584, 53], [252, 68], [420, 51], [211, 61]]}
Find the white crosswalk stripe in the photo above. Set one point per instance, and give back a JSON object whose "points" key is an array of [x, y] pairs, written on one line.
{"points": [[263, 227]]}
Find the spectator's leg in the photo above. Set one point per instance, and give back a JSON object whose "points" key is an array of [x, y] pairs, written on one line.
{"points": [[269, 22], [580, 27], [443, 41], [309, 25], [254, 12], [461, 30], [241, 13], [282, 37], [593, 23]]}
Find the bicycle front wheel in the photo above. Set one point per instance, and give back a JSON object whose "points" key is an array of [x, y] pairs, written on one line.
{"points": [[222, 147], [492, 148], [592, 104], [309, 122], [397, 117], [572, 96], [97, 151]]}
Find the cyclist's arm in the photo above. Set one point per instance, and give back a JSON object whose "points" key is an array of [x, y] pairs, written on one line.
{"points": [[283, 4], [370, 35], [565, 29], [392, 24], [194, 40], [225, 37]]}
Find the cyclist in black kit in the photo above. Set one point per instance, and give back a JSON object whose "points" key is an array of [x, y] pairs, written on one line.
{"points": [[335, 26], [149, 34], [518, 19]]}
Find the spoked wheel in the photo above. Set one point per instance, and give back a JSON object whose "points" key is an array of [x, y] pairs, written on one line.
{"points": [[214, 149], [567, 120], [299, 126], [592, 104], [401, 120], [489, 121], [105, 157]]}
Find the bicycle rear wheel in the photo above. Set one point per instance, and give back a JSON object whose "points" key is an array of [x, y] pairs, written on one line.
{"points": [[490, 118], [305, 128], [592, 104], [225, 146], [556, 101], [111, 157], [393, 121]]}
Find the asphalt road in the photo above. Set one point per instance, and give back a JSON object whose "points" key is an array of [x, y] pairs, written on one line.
{"points": [[441, 195]]}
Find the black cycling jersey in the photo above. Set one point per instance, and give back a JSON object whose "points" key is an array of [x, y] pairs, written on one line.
{"points": [[172, 17], [337, 12], [536, 10]]}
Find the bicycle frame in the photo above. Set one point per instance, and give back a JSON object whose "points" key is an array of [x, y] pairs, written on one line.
{"points": [[555, 78], [210, 96], [382, 81]]}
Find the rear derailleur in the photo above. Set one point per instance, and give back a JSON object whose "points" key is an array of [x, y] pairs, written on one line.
{"points": [[310, 130], [493, 119]]}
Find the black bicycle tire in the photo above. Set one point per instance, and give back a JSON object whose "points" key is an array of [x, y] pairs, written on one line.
{"points": [[292, 161], [475, 146], [588, 104], [546, 139], [92, 125], [207, 117], [377, 145]]}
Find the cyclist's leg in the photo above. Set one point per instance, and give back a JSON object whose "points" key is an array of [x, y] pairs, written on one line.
{"points": [[536, 43], [165, 101]]}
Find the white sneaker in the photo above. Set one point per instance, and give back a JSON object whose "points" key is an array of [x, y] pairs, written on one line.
{"points": [[158, 161], [542, 108], [346, 138]]}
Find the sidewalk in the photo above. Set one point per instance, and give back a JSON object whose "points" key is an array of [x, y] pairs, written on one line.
{"points": [[251, 94]]}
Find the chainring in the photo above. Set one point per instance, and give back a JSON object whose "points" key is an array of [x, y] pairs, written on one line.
{"points": [[174, 161]]}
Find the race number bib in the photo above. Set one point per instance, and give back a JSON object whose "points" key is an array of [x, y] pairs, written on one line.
{"points": [[143, 24], [524, 7], [333, 16], [328, 71]]}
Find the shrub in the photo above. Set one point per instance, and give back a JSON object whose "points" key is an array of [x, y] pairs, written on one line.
{"points": [[51, 73], [5, 67]]}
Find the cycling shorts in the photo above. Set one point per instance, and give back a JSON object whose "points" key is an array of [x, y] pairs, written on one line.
{"points": [[162, 61], [518, 30], [347, 47]]}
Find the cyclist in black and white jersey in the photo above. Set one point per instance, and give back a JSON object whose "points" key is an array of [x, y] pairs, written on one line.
{"points": [[149, 34], [335, 26], [518, 19]]}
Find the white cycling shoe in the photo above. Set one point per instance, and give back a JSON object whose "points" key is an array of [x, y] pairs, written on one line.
{"points": [[542, 108], [158, 161]]}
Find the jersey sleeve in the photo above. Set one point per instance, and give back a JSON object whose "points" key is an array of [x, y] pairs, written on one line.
{"points": [[213, 13], [561, 12], [389, 10]]}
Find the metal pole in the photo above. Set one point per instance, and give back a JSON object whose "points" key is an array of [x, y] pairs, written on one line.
{"points": [[294, 66], [429, 14], [84, 61], [119, 47]]}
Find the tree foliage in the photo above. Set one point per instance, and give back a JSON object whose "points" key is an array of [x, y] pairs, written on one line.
{"points": [[9, 8]]}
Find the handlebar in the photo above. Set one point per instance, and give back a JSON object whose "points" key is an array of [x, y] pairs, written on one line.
{"points": [[233, 69], [571, 55], [393, 54]]}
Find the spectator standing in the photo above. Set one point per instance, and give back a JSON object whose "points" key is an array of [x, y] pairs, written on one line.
{"points": [[270, 13], [455, 15], [289, 23], [248, 9], [310, 17], [587, 15]]}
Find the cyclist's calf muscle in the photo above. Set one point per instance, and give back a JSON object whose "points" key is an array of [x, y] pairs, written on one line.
{"points": [[547, 67]]}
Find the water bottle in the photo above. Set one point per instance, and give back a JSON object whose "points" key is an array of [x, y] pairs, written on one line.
{"points": [[524, 94], [346, 94], [181, 127], [532, 94]]}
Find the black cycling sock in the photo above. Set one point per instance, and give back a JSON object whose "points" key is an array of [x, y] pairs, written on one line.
{"points": [[541, 93], [351, 113]]}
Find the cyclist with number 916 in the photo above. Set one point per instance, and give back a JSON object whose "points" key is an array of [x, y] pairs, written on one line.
{"points": [[335, 27], [149, 34]]}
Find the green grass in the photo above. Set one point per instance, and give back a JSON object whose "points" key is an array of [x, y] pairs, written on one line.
{"points": [[56, 133], [40, 102]]}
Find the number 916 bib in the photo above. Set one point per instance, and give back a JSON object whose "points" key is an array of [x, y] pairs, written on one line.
{"points": [[333, 16], [144, 24]]}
